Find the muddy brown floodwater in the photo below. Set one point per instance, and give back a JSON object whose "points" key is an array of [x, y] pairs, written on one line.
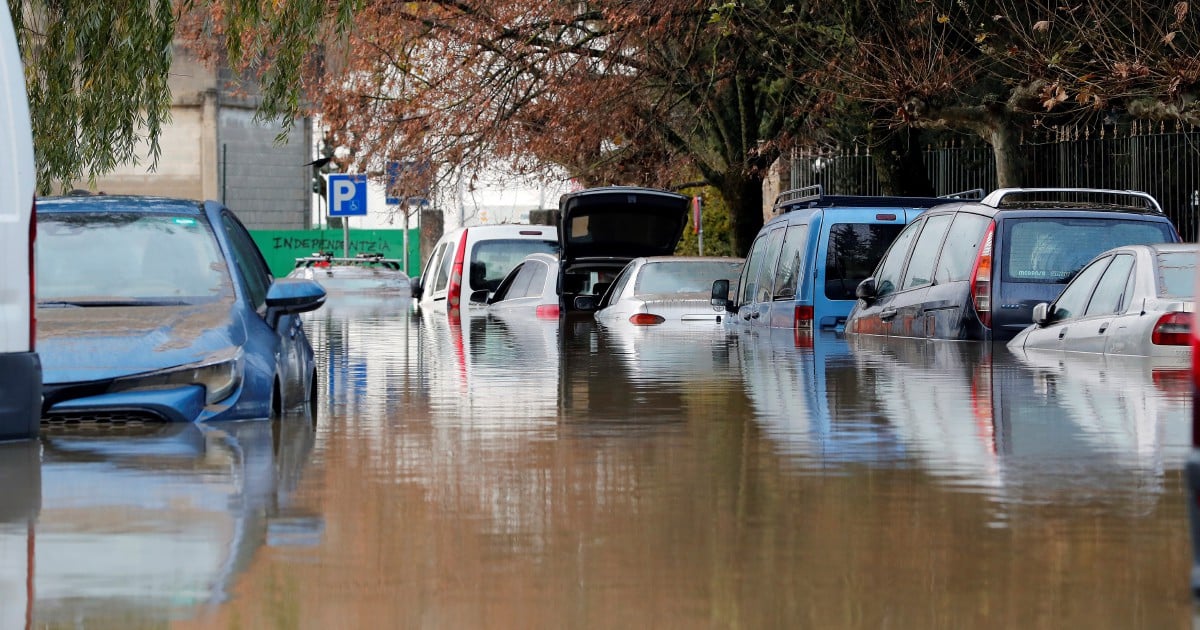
{"points": [[492, 474]]}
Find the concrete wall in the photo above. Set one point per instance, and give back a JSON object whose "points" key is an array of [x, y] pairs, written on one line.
{"points": [[213, 149]]}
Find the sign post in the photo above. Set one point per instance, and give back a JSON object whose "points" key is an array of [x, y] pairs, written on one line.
{"points": [[347, 198]]}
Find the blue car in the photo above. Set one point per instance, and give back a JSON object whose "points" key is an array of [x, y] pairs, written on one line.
{"points": [[163, 310]]}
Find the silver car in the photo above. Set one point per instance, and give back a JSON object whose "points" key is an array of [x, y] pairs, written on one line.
{"points": [[1134, 300], [666, 290]]}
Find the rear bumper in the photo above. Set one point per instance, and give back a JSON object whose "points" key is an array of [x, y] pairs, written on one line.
{"points": [[20, 395]]}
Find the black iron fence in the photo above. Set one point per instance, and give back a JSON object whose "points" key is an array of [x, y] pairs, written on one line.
{"points": [[1162, 159]]}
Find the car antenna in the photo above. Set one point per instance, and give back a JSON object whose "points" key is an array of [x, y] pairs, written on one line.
{"points": [[1143, 306]]}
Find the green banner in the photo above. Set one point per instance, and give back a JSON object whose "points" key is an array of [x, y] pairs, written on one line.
{"points": [[281, 248]]}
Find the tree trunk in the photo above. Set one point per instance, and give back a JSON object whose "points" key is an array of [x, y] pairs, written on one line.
{"points": [[1010, 164], [899, 163], [743, 195]]}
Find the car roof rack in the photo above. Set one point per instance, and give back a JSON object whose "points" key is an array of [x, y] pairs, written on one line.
{"points": [[324, 259], [1148, 203], [814, 197]]}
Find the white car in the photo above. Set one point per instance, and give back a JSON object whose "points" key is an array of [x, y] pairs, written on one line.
{"points": [[473, 259], [20, 369], [667, 290], [1134, 300]]}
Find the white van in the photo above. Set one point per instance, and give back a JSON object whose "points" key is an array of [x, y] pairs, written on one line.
{"points": [[471, 259], [20, 370]]}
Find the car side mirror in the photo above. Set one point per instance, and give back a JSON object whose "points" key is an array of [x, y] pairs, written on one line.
{"points": [[866, 290], [415, 284], [295, 295], [720, 295], [1041, 314], [480, 296], [585, 303]]}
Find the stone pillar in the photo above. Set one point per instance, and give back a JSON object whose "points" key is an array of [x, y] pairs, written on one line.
{"points": [[778, 179], [210, 149], [544, 217], [432, 225]]}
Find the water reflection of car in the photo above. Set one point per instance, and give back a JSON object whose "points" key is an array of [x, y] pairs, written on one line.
{"points": [[1066, 427], [145, 526], [1135, 300], [975, 270], [164, 310], [808, 398], [666, 291], [361, 274]]}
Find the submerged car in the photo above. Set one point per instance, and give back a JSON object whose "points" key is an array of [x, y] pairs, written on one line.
{"points": [[666, 290], [1135, 300], [601, 230], [363, 273], [975, 269], [154, 309]]}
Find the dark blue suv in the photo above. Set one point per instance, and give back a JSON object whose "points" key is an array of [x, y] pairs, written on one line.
{"points": [[975, 270]]}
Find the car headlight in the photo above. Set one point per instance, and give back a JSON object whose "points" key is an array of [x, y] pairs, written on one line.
{"points": [[219, 377]]}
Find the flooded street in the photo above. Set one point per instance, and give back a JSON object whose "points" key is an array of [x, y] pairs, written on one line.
{"points": [[496, 474]]}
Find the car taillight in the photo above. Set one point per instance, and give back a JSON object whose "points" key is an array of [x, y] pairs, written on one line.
{"points": [[802, 326], [454, 293], [32, 278], [1172, 329], [981, 279], [646, 319], [547, 311]]}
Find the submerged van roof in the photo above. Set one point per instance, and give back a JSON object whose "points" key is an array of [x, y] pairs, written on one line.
{"points": [[814, 197]]}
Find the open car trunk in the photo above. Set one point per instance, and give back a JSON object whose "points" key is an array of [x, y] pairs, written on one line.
{"points": [[602, 229]]}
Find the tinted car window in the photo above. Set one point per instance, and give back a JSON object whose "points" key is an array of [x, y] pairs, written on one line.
{"points": [[961, 248], [617, 287], [1176, 274], [854, 250], [766, 274], [1075, 297], [1110, 291], [791, 262], [889, 270], [84, 256], [750, 272], [537, 280], [920, 266], [523, 280], [1051, 250], [250, 264], [491, 260]]}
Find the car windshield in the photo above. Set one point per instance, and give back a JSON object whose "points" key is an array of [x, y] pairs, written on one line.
{"points": [[491, 260], [854, 251], [127, 258], [684, 276], [1053, 249], [1176, 274]]}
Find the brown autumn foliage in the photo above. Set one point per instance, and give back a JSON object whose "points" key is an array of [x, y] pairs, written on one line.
{"points": [[664, 93]]}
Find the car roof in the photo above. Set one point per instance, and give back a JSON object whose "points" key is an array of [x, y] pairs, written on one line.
{"points": [[1035, 201], [651, 259], [119, 203], [814, 197], [1162, 248]]}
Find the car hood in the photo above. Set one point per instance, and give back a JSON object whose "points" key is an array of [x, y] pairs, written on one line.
{"points": [[621, 222], [96, 343]]}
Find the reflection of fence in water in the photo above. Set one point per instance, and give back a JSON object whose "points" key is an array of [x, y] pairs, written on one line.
{"points": [[1159, 158]]}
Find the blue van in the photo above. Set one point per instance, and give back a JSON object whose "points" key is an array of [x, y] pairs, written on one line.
{"points": [[806, 262]]}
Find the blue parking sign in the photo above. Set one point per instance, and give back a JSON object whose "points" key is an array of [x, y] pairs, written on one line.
{"points": [[347, 195]]}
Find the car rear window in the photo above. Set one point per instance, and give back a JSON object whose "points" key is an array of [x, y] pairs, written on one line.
{"points": [[491, 260], [94, 257], [854, 251], [1051, 250], [1176, 274], [684, 276]]}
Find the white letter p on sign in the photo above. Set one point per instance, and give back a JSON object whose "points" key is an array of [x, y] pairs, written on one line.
{"points": [[343, 191]]}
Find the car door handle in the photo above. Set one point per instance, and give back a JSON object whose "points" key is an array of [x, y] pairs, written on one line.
{"points": [[746, 315], [887, 314], [755, 314], [1061, 333], [1103, 327]]}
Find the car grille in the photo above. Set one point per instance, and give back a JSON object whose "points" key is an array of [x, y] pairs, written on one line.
{"points": [[106, 418]]}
